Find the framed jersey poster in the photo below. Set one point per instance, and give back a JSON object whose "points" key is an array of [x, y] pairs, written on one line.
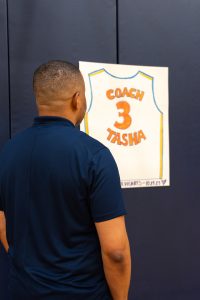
{"points": [[127, 111]]}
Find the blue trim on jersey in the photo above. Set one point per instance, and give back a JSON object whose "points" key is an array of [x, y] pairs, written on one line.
{"points": [[91, 93], [154, 98], [122, 77]]}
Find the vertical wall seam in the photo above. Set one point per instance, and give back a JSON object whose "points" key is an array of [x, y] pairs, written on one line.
{"points": [[117, 31], [9, 81]]}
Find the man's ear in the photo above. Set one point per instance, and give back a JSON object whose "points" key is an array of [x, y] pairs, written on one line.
{"points": [[75, 101]]}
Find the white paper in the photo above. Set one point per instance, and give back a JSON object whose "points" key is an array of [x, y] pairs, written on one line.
{"points": [[127, 111]]}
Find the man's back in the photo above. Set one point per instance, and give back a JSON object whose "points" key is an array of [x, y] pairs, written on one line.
{"points": [[61, 209], [53, 189]]}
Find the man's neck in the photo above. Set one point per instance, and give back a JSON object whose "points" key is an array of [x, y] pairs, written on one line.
{"points": [[56, 114]]}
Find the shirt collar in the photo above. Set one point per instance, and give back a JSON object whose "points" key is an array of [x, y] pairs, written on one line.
{"points": [[54, 120]]}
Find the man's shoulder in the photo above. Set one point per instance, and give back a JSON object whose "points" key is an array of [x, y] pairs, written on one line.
{"points": [[91, 143]]}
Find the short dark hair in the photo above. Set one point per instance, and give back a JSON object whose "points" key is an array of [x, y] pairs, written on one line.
{"points": [[54, 75]]}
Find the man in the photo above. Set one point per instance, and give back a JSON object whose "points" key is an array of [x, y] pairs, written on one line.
{"points": [[60, 197]]}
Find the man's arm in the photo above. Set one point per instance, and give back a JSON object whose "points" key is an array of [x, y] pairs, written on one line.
{"points": [[116, 256], [3, 238]]}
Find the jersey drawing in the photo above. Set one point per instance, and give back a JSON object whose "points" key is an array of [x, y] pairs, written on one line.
{"points": [[123, 114]]}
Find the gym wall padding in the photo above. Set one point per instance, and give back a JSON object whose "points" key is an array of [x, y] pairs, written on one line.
{"points": [[164, 223], [4, 79], [43, 30], [4, 123]]}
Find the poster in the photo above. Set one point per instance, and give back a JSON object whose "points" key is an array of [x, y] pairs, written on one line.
{"points": [[127, 111]]}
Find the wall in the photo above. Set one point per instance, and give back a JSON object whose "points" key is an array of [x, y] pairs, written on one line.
{"points": [[163, 223], [4, 122]]}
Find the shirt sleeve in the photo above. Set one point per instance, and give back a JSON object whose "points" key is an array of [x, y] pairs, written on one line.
{"points": [[106, 201]]}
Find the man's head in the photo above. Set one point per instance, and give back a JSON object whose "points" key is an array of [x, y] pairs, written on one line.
{"points": [[60, 91]]}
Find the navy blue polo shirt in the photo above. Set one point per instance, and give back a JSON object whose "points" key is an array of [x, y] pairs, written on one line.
{"points": [[55, 183]]}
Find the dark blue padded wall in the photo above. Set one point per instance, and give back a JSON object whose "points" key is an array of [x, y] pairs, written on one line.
{"points": [[4, 122], [43, 30], [164, 224], [4, 83]]}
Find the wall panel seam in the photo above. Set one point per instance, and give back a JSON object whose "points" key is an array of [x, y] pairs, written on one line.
{"points": [[8, 63]]}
